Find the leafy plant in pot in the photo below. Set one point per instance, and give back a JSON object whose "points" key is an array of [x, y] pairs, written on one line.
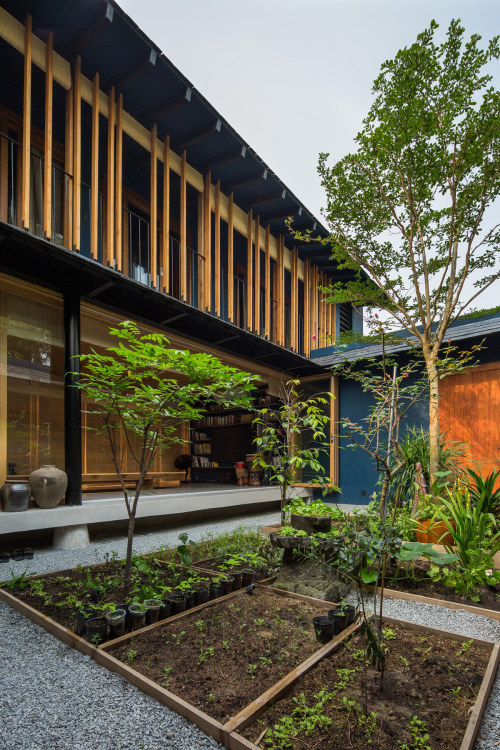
{"points": [[116, 618], [137, 611]]}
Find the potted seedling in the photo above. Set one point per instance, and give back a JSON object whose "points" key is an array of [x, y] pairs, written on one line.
{"points": [[137, 611], [115, 617], [97, 630], [217, 587]]}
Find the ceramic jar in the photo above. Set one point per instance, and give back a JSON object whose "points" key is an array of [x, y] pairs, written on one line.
{"points": [[48, 486], [15, 495]]}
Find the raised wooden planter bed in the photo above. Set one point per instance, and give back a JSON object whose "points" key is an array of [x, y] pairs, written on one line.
{"points": [[228, 732]]}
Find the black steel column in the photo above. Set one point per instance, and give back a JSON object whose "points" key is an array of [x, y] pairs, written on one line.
{"points": [[72, 399]]}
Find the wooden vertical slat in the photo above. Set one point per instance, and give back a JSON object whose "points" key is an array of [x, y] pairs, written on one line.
{"points": [[47, 167], [110, 229], [68, 168], [77, 151], [25, 193], [307, 308], [201, 268], [166, 217], [154, 206], [4, 174], [316, 306], [118, 249], [294, 302], [94, 184], [267, 284], [257, 276], [281, 283], [208, 244], [230, 258], [183, 260], [249, 272], [217, 249]]}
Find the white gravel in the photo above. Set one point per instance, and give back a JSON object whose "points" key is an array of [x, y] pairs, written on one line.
{"points": [[53, 698]]}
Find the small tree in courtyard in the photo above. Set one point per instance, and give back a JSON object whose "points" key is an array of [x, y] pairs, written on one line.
{"points": [[142, 391], [411, 212]]}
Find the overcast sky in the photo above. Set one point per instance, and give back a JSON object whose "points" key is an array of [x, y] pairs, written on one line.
{"points": [[294, 77]]}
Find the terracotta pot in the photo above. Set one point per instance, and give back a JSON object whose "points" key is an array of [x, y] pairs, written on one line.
{"points": [[15, 496], [439, 533], [48, 486]]}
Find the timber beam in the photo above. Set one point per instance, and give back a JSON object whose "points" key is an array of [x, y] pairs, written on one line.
{"points": [[81, 40], [225, 158], [138, 68], [213, 128], [247, 181], [170, 104], [279, 196]]}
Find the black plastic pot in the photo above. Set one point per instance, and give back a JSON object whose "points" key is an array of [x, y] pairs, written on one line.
{"points": [[350, 611], [228, 584], [339, 619], [216, 591], [201, 596], [178, 604], [96, 626], [248, 577], [116, 622], [81, 618], [153, 612], [324, 628], [165, 609], [137, 616], [238, 580], [190, 600], [127, 614]]}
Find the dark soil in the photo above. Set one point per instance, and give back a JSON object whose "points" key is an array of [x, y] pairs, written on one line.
{"points": [[422, 585], [428, 676], [56, 594], [220, 659]]}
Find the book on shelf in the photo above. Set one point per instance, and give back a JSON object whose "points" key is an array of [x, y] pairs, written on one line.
{"points": [[200, 449], [217, 421], [199, 436], [202, 462]]}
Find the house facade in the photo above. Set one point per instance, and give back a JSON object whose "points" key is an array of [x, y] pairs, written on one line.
{"points": [[125, 195]]}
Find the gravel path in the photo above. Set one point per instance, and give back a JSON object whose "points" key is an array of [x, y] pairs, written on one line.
{"points": [[54, 698]]}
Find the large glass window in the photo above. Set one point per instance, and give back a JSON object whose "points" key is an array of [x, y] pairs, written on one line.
{"points": [[31, 379]]}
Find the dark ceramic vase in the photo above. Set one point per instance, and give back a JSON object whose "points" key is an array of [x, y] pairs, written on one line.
{"points": [[48, 486], [15, 496]]}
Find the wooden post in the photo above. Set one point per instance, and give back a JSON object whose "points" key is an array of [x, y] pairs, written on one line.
{"points": [[249, 272], [230, 258], [118, 251], [68, 168], [307, 308], [334, 322], [4, 177], [183, 260], [257, 277], [166, 217], [208, 244], [217, 249], [3, 386], [47, 178], [281, 290], [110, 233], [94, 184], [201, 267], [294, 301], [154, 207], [77, 150], [25, 194], [267, 284]]}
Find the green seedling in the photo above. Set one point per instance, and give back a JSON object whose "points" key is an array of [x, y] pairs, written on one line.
{"points": [[252, 668], [166, 675], [204, 655], [176, 637], [131, 654], [388, 633], [464, 648]]}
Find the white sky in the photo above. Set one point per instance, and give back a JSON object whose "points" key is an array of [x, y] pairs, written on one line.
{"points": [[294, 77]]}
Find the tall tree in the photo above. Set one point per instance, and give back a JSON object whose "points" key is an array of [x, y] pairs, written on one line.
{"points": [[411, 212]]}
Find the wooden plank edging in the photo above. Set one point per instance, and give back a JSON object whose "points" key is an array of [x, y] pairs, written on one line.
{"points": [[481, 700], [404, 596]]}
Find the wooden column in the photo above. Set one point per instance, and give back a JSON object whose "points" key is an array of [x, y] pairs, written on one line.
{"points": [[68, 168], [94, 184], [230, 258], [257, 277], [118, 250], [201, 284], [166, 217], [26, 152], [315, 306], [110, 232], [183, 259], [307, 308], [281, 287], [77, 151], [153, 207], [47, 155], [217, 249], [294, 301], [249, 272], [3, 385], [208, 244], [267, 285], [4, 176], [334, 322]]}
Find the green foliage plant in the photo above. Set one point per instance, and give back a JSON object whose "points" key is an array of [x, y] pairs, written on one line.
{"points": [[410, 211], [284, 451], [419, 736], [141, 390], [482, 489]]}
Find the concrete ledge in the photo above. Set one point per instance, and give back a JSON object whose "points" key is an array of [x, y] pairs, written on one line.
{"points": [[112, 508]]}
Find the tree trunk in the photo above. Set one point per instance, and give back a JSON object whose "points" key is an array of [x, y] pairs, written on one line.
{"points": [[128, 558], [433, 419]]}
